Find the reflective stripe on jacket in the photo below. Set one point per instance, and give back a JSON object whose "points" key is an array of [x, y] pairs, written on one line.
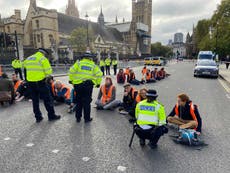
{"points": [[37, 67], [85, 70], [150, 113]]}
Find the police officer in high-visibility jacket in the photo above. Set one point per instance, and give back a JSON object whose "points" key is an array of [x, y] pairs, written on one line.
{"points": [[84, 75], [37, 69], [102, 65], [150, 120], [114, 63], [107, 65]]}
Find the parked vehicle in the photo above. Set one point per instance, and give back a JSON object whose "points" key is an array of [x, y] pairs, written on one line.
{"points": [[207, 68], [148, 61], [206, 55]]}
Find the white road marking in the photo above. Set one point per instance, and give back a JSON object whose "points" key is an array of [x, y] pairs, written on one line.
{"points": [[121, 168], [85, 159], [55, 151], [6, 139], [226, 87], [29, 144]]}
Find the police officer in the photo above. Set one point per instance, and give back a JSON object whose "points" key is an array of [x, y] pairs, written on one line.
{"points": [[37, 69], [150, 118], [107, 65], [17, 66], [84, 75], [102, 65], [114, 63]]}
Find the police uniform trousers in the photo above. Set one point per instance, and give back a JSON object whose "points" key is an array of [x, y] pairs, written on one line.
{"points": [[40, 90], [153, 134], [83, 99], [103, 70], [115, 69], [107, 70]]}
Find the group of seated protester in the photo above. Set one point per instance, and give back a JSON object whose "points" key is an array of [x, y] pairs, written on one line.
{"points": [[148, 76]]}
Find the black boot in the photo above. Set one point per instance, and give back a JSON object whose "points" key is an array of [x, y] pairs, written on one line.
{"points": [[54, 118], [142, 142]]}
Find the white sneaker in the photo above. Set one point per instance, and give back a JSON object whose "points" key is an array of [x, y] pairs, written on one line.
{"points": [[124, 112], [20, 99]]}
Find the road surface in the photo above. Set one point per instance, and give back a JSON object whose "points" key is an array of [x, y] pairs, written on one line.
{"points": [[102, 146]]}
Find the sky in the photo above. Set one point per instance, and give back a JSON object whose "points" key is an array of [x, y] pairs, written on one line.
{"points": [[169, 16]]}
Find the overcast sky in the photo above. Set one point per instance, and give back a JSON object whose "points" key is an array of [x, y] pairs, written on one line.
{"points": [[169, 16]]}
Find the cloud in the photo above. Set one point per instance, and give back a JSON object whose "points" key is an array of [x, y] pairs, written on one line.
{"points": [[169, 16]]}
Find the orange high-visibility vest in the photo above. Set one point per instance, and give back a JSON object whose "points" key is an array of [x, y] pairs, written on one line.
{"points": [[144, 71], [16, 85], [148, 76], [67, 94], [106, 96], [127, 71], [138, 98], [192, 111]]}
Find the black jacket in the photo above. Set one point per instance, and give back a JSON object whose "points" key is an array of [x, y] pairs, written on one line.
{"points": [[184, 113]]}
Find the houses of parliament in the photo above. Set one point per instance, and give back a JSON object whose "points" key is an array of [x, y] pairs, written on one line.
{"points": [[47, 27]]}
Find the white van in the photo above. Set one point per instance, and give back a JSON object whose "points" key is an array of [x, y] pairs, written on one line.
{"points": [[206, 55]]}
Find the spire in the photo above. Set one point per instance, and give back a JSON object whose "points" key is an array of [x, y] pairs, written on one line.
{"points": [[101, 19], [101, 10], [33, 3], [116, 20]]}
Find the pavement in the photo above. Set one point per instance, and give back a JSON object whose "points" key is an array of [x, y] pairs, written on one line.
{"points": [[224, 73], [102, 146]]}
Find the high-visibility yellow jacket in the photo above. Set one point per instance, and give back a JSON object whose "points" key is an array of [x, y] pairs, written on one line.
{"points": [[37, 67], [107, 61], [114, 62], [85, 70], [102, 63], [16, 63], [150, 113]]}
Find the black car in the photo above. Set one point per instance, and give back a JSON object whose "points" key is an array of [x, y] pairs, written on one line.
{"points": [[207, 68]]}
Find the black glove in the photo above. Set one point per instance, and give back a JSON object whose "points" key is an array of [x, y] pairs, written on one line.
{"points": [[70, 82], [97, 86]]}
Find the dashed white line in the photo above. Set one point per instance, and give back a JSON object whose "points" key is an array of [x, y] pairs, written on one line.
{"points": [[55, 151], [6, 139], [85, 159], [29, 144], [121, 168]]}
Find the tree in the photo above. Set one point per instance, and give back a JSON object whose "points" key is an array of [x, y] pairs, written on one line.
{"points": [[78, 39], [157, 49], [219, 40]]}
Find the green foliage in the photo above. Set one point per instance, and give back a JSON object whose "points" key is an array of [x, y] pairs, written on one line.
{"points": [[78, 39], [157, 49], [219, 40]]}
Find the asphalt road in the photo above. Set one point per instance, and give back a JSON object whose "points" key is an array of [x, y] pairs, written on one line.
{"points": [[102, 146]]}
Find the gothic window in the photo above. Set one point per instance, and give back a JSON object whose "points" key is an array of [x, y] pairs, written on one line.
{"points": [[99, 39], [42, 40], [37, 24], [38, 38], [8, 29]]}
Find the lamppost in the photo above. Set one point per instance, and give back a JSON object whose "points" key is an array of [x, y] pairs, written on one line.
{"points": [[87, 18]]}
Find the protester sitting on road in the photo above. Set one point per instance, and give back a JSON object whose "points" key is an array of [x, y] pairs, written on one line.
{"points": [[121, 77], [72, 106], [23, 92], [127, 72], [106, 99], [140, 97], [132, 78], [144, 70], [17, 82], [128, 99], [149, 77], [150, 120], [162, 74], [61, 93], [155, 74], [50, 83], [6, 90], [185, 114]]}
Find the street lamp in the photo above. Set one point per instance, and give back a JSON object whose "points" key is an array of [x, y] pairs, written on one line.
{"points": [[87, 18]]}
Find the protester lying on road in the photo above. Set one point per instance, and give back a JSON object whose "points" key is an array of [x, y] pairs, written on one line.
{"points": [[151, 120], [128, 99], [185, 114], [106, 99]]}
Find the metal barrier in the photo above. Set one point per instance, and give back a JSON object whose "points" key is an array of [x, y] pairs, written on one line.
{"points": [[64, 68]]}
